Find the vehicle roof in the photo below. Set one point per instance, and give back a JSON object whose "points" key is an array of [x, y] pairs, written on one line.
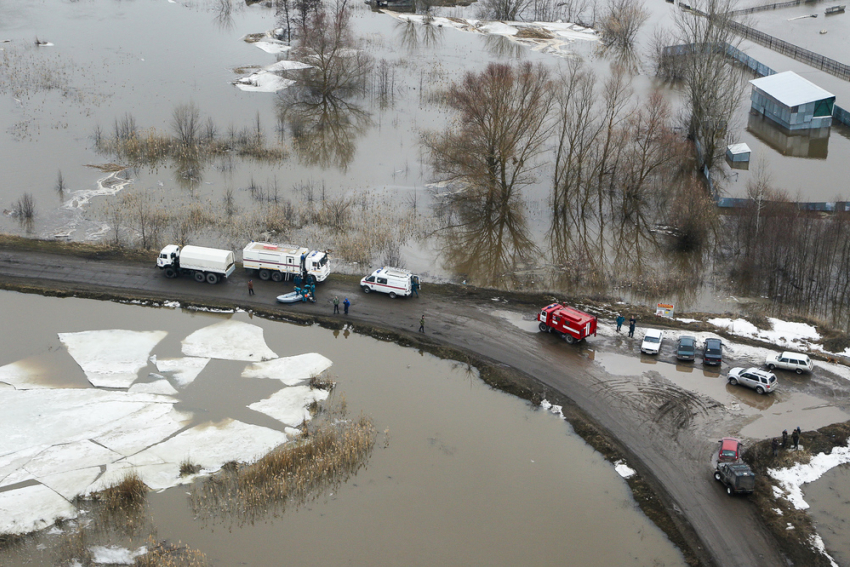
{"points": [[685, 339], [271, 247], [394, 272], [789, 354], [729, 443], [653, 333], [572, 313], [740, 468], [756, 371], [713, 341]]}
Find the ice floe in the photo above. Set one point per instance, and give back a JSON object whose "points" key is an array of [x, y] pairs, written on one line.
{"points": [[111, 358], [213, 444], [106, 187], [291, 369], [289, 405], [32, 508], [793, 478], [143, 428], [70, 457], [19, 375], [263, 82], [71, 484], [114, 555], [159, 386], [183, 370], [229, 340]]}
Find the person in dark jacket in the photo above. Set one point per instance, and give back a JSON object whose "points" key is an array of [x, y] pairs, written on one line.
{"points": [[774, 444], [784, 438], [336, 305], [620, 321], [795, 438], [250, 287], [422, 324], [632, 325], [345, 305]]}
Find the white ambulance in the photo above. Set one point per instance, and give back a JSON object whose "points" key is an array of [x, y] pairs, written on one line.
{"points": [[392, 281]]}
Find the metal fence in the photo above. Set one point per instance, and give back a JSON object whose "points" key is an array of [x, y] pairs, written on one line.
{"points": [[766, 7]]}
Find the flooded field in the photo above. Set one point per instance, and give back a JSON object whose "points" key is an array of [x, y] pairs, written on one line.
{"points": [[459, 473]]}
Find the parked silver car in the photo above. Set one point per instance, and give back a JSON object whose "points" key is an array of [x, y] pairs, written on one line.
{"points": [[759, 380], [799, 363]]}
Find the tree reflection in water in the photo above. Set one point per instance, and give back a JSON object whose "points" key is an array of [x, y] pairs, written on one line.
{"points": [[412, 35], [484, 237]]}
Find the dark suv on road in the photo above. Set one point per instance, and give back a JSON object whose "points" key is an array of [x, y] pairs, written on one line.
{"points": [[712, 352]]}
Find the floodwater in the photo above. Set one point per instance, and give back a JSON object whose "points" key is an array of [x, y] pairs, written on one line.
{"points": [[829, 501], [461, 473], [105, 65]]}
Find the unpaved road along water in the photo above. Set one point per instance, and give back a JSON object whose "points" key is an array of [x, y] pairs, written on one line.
{"points": [[671, 452], [462, 473]]}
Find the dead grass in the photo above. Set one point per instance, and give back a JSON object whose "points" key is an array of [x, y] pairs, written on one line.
{"points": [[74, 547], [534, 33], [107, 167], [164, 554], [325, 457], [187, 467], [129, 493], [321, 383]]}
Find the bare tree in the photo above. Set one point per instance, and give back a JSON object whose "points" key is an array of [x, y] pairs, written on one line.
{"points": [[502, 124], [510, 10], [24, 208], [145, 215], [60, 184], [712, 86], [621, 23], [186, 121]]}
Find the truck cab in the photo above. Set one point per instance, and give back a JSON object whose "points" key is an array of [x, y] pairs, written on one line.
{"points": [[570, 323], [316, 264], [169, 256]]}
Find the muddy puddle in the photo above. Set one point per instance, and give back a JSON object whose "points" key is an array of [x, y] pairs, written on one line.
{"points": [[764, 415], [829, 501], [460, 474]]}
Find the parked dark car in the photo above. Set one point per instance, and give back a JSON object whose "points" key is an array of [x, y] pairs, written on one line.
{"points": [[737, 477], [712, 352], [686, 347]]}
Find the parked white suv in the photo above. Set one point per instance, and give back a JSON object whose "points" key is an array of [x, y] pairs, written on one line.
{"points": [[652, 341], [799, 363], [759, 380]]}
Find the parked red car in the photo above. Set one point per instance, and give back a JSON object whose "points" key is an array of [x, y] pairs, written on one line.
{"points": [[730, 450]]}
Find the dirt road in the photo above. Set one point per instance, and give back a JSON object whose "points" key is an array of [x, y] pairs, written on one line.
{"points": [[668, 434]]}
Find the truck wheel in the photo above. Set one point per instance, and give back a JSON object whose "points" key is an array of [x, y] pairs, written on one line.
{"points": [[212, 278], [392, 295], [277, 277], [365, 288], [771, 367], [199, 276], [733, 381], [759, 390], [729, 490], [265, 275], [569, 338], [717, 475], [543, 328], [170, 273]]}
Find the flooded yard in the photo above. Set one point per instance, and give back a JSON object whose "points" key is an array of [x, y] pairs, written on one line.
{"points": [[459, 473]]}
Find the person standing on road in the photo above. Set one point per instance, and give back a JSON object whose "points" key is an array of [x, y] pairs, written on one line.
{"points": [[345, 305], [784, 438], [422, 324], [774, 444], [336, 305], [795, 437], [415, 286], [620, 321], [250, 287], [632, 325]]}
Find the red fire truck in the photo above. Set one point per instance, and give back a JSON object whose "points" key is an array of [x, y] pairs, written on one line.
{"points": [[570, 323]]}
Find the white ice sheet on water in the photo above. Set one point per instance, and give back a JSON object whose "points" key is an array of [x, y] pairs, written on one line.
{"points": [[71, 484], [184, 370], [229, 340], [289, 405], [263, 82], [111, 358], [143, 428], [159, 386], [291, 369], [32, 508], [70, 457], [19, 376], [213, 444], [114, 555], [41, 418]]}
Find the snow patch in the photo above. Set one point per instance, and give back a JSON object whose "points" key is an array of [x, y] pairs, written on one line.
{"points": [[111, 358], [623, 469], [229, 340], [291, 369], [557, 410], [19, 376], [783, 334], [793, 478], [289, 405], [817, 543]]}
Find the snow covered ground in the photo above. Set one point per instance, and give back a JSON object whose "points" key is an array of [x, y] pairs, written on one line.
{"points": [[59, 443]]}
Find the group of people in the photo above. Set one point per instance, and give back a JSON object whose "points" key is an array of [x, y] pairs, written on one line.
{"points": [[345, 305], [307, 293], [795, 441], [632, 324]]}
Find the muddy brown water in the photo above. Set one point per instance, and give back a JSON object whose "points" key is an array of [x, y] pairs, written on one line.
{"points": [[461, 473], [829, 501]]}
